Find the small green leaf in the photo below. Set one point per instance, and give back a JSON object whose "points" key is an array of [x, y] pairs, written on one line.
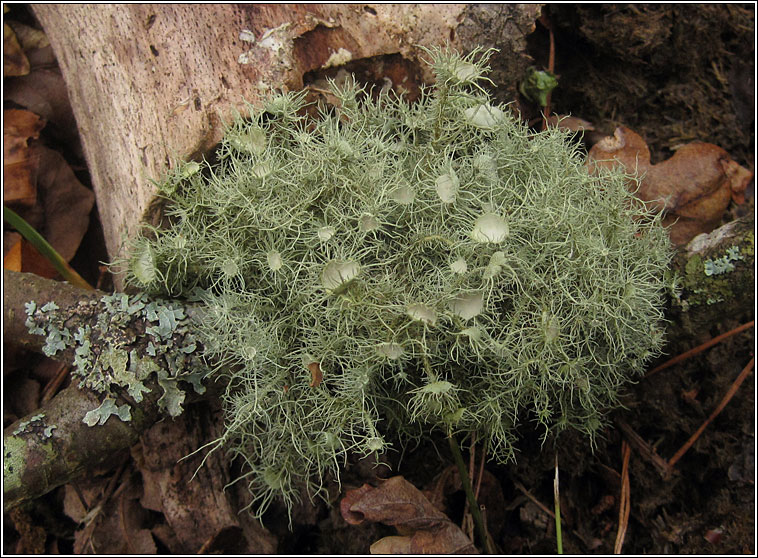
{"points": [[537, 85]]}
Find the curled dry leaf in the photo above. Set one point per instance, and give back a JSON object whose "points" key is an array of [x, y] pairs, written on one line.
{"points": [[570, 123], [694, 186], [29, 37], [12, 256], [423, 528], [40, 185], [23, 257], [317, 376], [490, 496]]}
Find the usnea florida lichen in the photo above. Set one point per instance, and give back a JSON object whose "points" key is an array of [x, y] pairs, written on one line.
{"points": [[384, 269]]}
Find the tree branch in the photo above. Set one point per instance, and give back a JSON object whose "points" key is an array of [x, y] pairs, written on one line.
{"points": [[53, 446]]}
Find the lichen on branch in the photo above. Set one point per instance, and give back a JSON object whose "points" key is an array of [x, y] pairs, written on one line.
{"points": [[129, 339]]}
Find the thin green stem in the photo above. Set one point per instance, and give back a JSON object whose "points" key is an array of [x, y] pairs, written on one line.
{"points": [[556, 496], [484, 540], [44, 248]]}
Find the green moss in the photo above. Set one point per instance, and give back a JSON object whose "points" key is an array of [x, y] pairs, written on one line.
{"points": [[385, 269], [748, 246], [537, 85]]}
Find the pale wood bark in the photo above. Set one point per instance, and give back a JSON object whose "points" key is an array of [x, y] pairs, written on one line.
{"points": [[152, 83]]}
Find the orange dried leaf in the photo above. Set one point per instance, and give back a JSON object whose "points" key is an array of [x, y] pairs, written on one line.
{"points": [[43, 91], [392, 545], [694, 186], [34, 262], [351, 498], [12, 259], [22, 256]]}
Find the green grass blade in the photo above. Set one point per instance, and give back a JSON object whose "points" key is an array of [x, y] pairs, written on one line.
{"points": [[44, 248], [557, 497]]}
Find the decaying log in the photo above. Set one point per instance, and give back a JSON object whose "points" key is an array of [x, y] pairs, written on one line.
{"points": [[152, 83]]}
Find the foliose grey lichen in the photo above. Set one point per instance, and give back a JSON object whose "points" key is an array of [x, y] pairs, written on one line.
{"points": [[105, 357], [723, 264]]}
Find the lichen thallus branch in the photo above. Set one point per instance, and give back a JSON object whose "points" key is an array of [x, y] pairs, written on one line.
{"points": [[442, 265]]}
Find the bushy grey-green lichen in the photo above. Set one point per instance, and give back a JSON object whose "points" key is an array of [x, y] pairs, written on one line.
{"points": [[387, 268], [105, 358]]}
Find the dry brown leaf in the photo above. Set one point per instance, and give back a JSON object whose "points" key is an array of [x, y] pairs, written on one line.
{"points": [[229, 540], [392, 545], [44, 92], [116, 528], [59, 208], [29, 37], [67, 203], [489, 498], [184, 504], [317, 376], [138, 539], [424, 529], [569, 123], [164, 534], [694, 186], [31, 535], [15, 62], [34, 262], [25, 394], [20, 160], [72, 504]]}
